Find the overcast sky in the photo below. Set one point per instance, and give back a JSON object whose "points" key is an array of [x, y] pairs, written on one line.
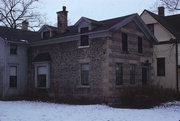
{"points": [[94, 9]]}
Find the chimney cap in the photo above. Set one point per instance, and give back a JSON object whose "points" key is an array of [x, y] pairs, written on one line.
{"points": [[64, 8], [25, 22], [161, 11]]}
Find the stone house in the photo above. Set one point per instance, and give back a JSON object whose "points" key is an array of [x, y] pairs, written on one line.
{"points": [[91, 59], [166, 51]]}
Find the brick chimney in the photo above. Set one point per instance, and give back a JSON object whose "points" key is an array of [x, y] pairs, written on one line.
{"points": [[25, 25], [161, 11], [62, 22]]}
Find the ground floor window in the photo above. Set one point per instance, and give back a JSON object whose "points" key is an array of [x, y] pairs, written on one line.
{"points": [[42, 75], [13, 77], [119, 74], [132, 73], [85, 74], [160, 66]]}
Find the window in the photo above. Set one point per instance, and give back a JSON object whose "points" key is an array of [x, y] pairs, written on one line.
{"points": [[124, 42], [84, 40], [140, 47], [132, 73], [84, 30], [119, 74], [160, 66], [85, 74], [13, 77], [46, 35], [13, 49], [41, 76], [151, 27]]}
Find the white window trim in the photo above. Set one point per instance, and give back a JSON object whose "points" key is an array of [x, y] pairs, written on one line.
{"points": [[79, 28], [86, 46], [42, 33], [46, 64]]}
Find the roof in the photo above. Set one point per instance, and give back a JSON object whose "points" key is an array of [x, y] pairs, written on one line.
{"points": [[42, 57], [100, 25], [171, 23], [17, 35], [106, 26]]}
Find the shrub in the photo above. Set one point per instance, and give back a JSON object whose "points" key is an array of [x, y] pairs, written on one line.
{"points": [[145, 96]]}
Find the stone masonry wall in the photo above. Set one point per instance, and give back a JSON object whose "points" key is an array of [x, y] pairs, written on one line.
{"points": [[65, 69], [116, 55]]}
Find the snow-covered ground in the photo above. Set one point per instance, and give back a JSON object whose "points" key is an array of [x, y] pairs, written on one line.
{"points": [[39, 111]]}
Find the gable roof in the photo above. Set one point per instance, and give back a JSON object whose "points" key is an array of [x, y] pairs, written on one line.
{"points": [[171, 23], [104, 25], [16, 35]]}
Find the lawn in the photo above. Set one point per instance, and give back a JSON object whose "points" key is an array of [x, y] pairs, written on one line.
{"points": [[40, 111]]}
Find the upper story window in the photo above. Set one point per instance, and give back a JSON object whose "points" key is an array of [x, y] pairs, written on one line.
{"points": [[84, 40], [13, 49], [160, 66], [84, 29], [46, 34], [13, 77], [124, 42], [140, 45], [151, 27]]}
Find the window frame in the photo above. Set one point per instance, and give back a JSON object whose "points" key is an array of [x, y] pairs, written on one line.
{"points": [[119, 74], [84, 82], [81, 39], [124, 42], [42, 64], [163, 66], [84, 30], [140, 44], [13, 78], [44, 33], [151, 27], [132, 73], [13, 51]]}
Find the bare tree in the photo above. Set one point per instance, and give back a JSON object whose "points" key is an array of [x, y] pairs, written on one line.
{"points": [[13, 12], [172, 5]]}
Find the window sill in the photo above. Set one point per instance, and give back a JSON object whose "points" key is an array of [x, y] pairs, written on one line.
{"points": [[125, 52], [12, 87], [160, 75], [140, 54], [42, 88], [84, 46], [13, 54], [83, 86], [119, 86]]}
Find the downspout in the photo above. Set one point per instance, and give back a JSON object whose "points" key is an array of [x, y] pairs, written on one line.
{"points": [[177, 74]]}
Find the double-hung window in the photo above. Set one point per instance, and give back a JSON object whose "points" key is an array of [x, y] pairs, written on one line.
{"points": [[13, 77], [124, 42], [132, 73], [119, 74], [140, 45], [85, 68], [84, 39], [41, 76], [13, 49], [160, 66]]}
